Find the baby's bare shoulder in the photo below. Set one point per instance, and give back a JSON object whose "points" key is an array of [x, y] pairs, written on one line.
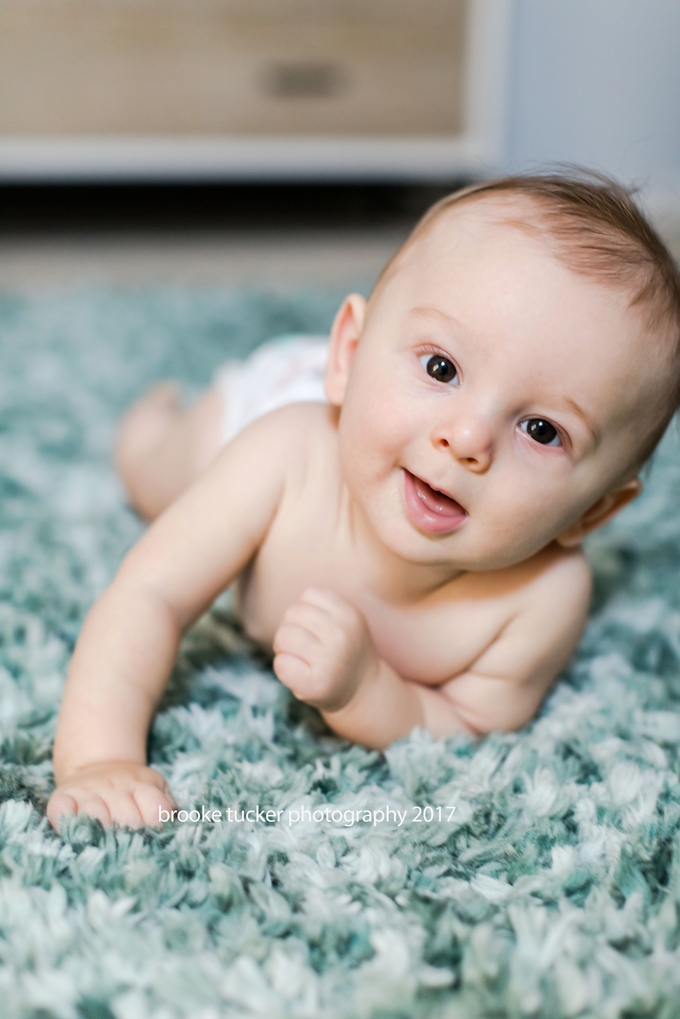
{"points": [[555, 576], [552, 608], [505, 685], [564, 578], [553, 602], [300, 438], [305, 423]]}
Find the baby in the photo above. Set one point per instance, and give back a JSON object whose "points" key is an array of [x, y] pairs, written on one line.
{"points": [[409, 547]]}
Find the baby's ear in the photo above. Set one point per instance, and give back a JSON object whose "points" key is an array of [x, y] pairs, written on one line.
{"points": [[600, 513], [345, 334]]}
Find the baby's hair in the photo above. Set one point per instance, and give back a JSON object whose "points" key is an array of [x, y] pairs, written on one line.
{"points": [[599, 232]]}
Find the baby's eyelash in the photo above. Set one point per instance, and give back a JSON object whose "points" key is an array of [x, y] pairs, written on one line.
{"points": [[439, 366], [429, 348], [542, 431]]}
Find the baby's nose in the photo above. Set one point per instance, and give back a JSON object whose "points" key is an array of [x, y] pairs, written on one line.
{"points": [[468, 439]]}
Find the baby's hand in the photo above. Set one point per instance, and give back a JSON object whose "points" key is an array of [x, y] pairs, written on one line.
{"points": [[114, 792], [324, 650]]}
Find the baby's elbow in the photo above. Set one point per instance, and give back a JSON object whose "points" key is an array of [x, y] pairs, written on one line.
{"points": [[493, 704]]}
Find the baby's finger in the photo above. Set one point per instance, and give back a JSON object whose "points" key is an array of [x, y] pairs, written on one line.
{"points": [[122, 808], [92, 805], [292, 671], [324, 599], [154, 778], [295, 640], [150, 801], [330, 603], [60, 805], [312, 617]]}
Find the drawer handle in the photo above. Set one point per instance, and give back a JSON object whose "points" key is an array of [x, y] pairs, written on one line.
{"points": [[303, 81]]}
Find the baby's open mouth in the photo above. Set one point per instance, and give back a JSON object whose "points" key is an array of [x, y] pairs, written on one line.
{"points": [[429, 509]]}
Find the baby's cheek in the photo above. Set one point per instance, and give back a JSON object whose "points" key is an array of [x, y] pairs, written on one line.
{"points": [[388, 425], [376, 432], [518, 524], [372, 452]]}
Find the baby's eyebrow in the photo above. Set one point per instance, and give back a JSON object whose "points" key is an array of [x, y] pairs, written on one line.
{"points": [[585, 417], [450, 323], [428, 311]]}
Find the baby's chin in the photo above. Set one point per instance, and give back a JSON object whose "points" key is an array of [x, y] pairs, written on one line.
{"points": [[404, 541], [459, 551]]}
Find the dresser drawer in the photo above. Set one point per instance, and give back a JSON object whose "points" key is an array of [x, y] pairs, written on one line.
{"points": [[255, 68]]}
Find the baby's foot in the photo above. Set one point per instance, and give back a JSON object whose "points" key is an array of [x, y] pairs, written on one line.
{"points": [[141, 433], [162, 448]]}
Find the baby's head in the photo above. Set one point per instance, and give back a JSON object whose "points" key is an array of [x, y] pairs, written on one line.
{"points": [[516, 364]]}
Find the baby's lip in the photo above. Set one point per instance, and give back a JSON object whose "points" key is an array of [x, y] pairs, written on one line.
{"points": [[430, 508]]}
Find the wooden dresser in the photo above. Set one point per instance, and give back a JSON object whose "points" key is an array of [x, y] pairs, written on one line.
{"points": [[165, 76]]}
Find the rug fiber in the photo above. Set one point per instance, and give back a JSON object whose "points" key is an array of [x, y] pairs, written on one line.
{"points": [[551, 890]]}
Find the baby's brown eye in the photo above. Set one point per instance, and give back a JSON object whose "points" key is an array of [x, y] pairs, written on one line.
{"points": [[440, 368], [541, 431]]}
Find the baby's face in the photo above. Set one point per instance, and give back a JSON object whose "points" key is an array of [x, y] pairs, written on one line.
{"points": [[493, 396]]}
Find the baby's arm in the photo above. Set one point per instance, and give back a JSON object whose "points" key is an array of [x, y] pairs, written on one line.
{"points": [[126, 649], [326, 656]]}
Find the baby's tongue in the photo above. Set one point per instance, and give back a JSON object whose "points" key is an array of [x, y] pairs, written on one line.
{"points": [[435, 501]]}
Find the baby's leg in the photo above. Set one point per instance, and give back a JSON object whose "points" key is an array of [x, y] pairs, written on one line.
{"points": [[161, 447]]}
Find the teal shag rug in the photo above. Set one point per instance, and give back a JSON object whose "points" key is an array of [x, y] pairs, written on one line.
{"points": [[553, 888]]}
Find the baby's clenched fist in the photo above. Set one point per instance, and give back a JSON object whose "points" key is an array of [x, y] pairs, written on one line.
{"points": [[324, 650]]}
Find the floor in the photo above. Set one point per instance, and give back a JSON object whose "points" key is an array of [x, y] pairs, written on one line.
{"points": [[285, 238], [53, 237], [282, 258]]}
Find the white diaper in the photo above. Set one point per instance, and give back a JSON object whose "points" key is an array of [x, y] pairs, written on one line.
{"points": [[287, 370]]}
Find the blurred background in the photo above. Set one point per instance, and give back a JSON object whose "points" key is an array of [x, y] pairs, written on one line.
{"points": [[295, 142]]}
